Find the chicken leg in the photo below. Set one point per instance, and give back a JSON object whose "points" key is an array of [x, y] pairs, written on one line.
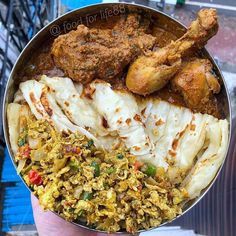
{"points": [[152, 72], [195, 82]]}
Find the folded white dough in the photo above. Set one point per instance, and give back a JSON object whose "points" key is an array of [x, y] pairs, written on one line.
{"points": [[208, 164], [186, 145], [164, 124], [154, 130], [44, 106], [16, 118], [13, 118], [179, 136], [18, 97], [76, 109], [155, 113], [122, 115], [156, 120]]}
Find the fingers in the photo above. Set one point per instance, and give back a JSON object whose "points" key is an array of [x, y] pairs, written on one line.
{"points": [[49, 224]]}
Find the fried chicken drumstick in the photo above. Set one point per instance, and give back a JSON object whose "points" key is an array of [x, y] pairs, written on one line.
{"points": [[195, 82], [150, 73]]}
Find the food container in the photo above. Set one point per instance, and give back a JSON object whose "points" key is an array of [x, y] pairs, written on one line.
{"points": [[88, 15]]}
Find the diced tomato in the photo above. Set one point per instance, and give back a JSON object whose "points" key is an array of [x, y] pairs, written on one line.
{"points": [[78, 150], [70, 148], [137, 165], [25, 151], [140, 187], [35, 178]]}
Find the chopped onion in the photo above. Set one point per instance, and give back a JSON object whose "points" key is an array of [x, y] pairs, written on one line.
{"points": [[33, 143], [151, 181], [78, 192], [37, 155], [120, 196], [20, 166]]}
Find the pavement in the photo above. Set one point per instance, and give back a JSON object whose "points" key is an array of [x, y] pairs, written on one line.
{"points": [[220, 2], [222, 46]]}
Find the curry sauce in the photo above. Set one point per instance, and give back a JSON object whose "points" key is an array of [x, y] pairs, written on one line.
{"points": [[42, 62]]}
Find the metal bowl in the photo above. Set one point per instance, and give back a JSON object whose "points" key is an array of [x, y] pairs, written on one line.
{"points": [[87, 16]]}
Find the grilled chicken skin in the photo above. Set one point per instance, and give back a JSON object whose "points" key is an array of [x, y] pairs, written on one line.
{"points": [[196, 83], [152, 72]]}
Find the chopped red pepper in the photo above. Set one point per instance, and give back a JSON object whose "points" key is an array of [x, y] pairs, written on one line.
{"points": [[70, 148], [140, 187], [25, 151], [35, 178], [137, 165]]}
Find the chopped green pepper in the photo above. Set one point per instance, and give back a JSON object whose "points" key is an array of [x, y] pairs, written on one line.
{"points": [[71, 209], [81, 212], [90, 143], [150, 170], [87, 196], [96, 167], [73, 165], [110, 170], [120, 156], [21, 141], [27, 168]]}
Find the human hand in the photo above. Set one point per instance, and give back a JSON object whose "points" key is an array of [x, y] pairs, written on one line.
{"points": [[49, 224]]}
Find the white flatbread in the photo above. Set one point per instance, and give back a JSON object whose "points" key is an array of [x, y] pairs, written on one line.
{"points": [[208, 164], [76, 109], [18, 97], [13, 118], [156, 121], [122, 114], [44, 106], [169, 136]]}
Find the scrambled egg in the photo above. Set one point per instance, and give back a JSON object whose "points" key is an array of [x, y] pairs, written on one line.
{"points": [[111, 191]]}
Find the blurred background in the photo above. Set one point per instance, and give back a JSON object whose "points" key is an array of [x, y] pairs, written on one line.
{"points": [[20, 20]]}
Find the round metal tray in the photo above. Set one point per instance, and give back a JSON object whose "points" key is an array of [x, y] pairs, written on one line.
{"points": [[87, 16]]}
